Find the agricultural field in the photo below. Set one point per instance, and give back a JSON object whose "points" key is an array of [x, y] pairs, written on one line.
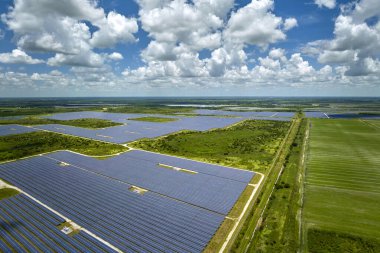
{"points": [[248, 145], [342, 191]]}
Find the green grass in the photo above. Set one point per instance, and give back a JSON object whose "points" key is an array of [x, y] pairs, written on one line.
{"points": [[278, 231], [261, 202], [22, 145], [248, 145], [155, 119], [85, 123], [342, 191], [7, 193]]}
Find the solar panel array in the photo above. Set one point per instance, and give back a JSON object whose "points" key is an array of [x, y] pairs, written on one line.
{"points": [[248, 114], [14, 129], [213, 187], [26, 226], [320, 115], [133, 130], [132, 222]]}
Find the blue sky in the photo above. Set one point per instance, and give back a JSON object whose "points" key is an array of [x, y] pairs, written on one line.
{"points": [[197, 48]]}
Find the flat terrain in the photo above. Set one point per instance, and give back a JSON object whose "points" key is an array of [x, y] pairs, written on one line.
{"points": [[155, 119], [21, 145], [279, 228], [248, 145], [86, 123], [342, 186]]}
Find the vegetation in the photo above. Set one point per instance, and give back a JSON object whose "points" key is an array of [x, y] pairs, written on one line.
{"points": [[278, 231], [326, 241], [22, 145], [155, 119], [7, 193], [86, 123], [342, 193], [244, 239], [249, 145]]}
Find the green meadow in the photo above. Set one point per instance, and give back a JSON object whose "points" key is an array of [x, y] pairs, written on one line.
{"points": [[342, 191]]}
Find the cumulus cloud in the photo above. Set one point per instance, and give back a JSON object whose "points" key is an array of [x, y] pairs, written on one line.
{"points": [[330, 4], [18, 56], [255, 24], [356, 43], [290, 23], [60, 27], [115, 56], [113, 29]]}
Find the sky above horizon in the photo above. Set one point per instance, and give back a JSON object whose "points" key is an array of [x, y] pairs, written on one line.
{"points": [[189, 48]]}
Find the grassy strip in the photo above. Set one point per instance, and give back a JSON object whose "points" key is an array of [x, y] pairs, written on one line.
{"points": [[248, 145], [327, 241], [86, 123], [7, 193], [22, 145], [278, 231], [155, 119], [243, 239]]}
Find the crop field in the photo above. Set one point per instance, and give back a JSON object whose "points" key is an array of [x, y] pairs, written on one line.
{"points": [[342, 198]]}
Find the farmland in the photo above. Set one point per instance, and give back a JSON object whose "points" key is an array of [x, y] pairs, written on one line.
{"points": [[342, 195]]}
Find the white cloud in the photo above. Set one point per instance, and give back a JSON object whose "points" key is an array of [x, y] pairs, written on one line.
{"points": [[330, 4], [356, 44], [113, 29], [59, 27], [83, 59], [290, 23], [255, 24], [18, 56], [115, 56], [179, 22]]}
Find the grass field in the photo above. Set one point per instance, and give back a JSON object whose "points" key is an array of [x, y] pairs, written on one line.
{"points": [[85, 123], [22, 145], [155, 119], [248, 145], [342, 191]]}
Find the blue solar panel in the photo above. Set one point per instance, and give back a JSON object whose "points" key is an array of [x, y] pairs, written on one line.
{"points": [[213, 187], [315, 115], [132, 222], [29, 227], [133, 130], [15, 129]]}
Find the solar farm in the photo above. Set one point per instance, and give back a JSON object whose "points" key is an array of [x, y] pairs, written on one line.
{"points": [[175, 211], [136, 201], [201, 181]]}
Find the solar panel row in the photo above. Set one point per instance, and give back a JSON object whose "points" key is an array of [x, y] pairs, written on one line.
{"points": [[29, 227], [134, 130], [248, 114], [132, 222], [214, 187], [15, 129]]}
